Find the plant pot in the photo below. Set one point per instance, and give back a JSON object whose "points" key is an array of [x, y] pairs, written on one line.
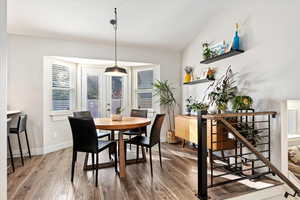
{"points": [[187, 78], [116, 117], [171, 138]]}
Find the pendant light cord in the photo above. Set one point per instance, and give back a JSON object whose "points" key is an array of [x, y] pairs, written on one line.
{"points": [[115, 28]]}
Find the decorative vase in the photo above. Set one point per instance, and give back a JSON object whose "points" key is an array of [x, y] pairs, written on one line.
{"points": [[187, 78], [171, 138], [188, 110], [236, 39], [116, 117]]}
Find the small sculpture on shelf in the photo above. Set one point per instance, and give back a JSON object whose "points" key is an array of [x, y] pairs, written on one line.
{"points": [[211, 73], [188, 74]]}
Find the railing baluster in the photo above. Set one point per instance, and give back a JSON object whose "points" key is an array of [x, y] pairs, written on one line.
{"points": [[202, 158]]}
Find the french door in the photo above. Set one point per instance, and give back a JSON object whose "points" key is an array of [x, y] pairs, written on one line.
{"points": [[102, 95]]}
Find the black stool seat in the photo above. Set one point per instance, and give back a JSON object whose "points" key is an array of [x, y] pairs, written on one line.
{"points": [[13, 130], [104, 144]]}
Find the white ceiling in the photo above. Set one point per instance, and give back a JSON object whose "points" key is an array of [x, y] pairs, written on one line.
{"points": [[169, 24]]}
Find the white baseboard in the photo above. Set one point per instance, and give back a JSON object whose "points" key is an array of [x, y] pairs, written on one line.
{"points": [[56, 147], [42, 151]]}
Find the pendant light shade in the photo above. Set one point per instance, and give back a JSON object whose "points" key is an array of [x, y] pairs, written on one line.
{"points": [[115, 70]]}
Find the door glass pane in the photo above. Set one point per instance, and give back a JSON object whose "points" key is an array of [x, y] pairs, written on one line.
{"points": [[144, 100], [116, 93], [93, 95], [145, 79]]}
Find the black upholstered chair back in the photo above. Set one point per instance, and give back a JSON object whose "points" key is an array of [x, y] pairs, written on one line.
{"points": [[156, 129], [139, 113], [83, 114], [84, 134], [22, 123]]}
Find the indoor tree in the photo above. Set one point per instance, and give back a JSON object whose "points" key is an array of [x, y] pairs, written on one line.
{"points": [[164, 91]]}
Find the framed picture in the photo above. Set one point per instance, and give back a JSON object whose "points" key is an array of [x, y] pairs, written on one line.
{"points": [[219, 48]]}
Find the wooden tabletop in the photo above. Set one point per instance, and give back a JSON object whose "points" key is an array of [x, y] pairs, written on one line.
{"points": [[127, 123]]}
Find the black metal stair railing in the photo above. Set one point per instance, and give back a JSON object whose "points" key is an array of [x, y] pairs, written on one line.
{"points": [[244, 132]]}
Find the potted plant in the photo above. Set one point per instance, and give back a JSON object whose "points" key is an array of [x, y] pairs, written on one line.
{"points": [[207, 52], [223, 91], [118, 115], [242, 102], [195, 105], [164, 91]]}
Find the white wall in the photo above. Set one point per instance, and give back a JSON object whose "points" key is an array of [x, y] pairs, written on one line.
{"points": [[25, 80], [3, 131], [269, 69]]}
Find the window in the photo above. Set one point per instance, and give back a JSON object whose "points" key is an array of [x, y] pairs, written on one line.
{"points": [[62, 97], [143, 88], [116, 93]]}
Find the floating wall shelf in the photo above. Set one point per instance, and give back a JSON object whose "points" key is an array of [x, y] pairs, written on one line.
{"points": [[223, 56], [198, 81]]}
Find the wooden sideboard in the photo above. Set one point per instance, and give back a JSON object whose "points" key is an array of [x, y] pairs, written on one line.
{"points": [[186, 129]]}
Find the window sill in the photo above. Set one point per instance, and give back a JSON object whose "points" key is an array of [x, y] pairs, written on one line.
{"points": [[60, 115]]}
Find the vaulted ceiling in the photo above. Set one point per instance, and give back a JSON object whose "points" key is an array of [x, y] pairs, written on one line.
{"points": [[168, 24]]}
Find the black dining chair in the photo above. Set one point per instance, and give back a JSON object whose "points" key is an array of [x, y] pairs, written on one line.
{"points": [[87, 114], [9, 146], [149, 142], [85, 140], [21, 128], [138, 131]]}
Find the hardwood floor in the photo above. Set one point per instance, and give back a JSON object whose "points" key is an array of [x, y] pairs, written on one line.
{"points": [[48, 177]]}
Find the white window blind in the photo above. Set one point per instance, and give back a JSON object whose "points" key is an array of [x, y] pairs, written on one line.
{"points": [[62, 97]]}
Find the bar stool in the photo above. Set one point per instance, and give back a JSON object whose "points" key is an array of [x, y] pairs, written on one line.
{"points": [[21, 128], [9, 146]]}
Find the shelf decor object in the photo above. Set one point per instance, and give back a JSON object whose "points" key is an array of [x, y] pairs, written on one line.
{"points": [[236, 39], [198, 81], [188, 74], [231, 53]]}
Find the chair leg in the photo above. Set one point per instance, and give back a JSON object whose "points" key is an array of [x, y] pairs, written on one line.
{"points": [[93, 161], [130, 144], [109, 151], [137, 152], [151, 161], [11, 155], [97, 157], [125, 149], [20, 147], [159, 154], [73, 165], [116, 158], [27, 144]]}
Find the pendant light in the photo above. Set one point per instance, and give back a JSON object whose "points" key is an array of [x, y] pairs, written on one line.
{"points": [[115, 70]]}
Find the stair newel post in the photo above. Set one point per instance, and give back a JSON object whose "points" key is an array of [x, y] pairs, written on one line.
{"points": [[202, 157]]}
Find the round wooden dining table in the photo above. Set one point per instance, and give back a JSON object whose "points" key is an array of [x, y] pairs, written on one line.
{"points": [[127, 123]]}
